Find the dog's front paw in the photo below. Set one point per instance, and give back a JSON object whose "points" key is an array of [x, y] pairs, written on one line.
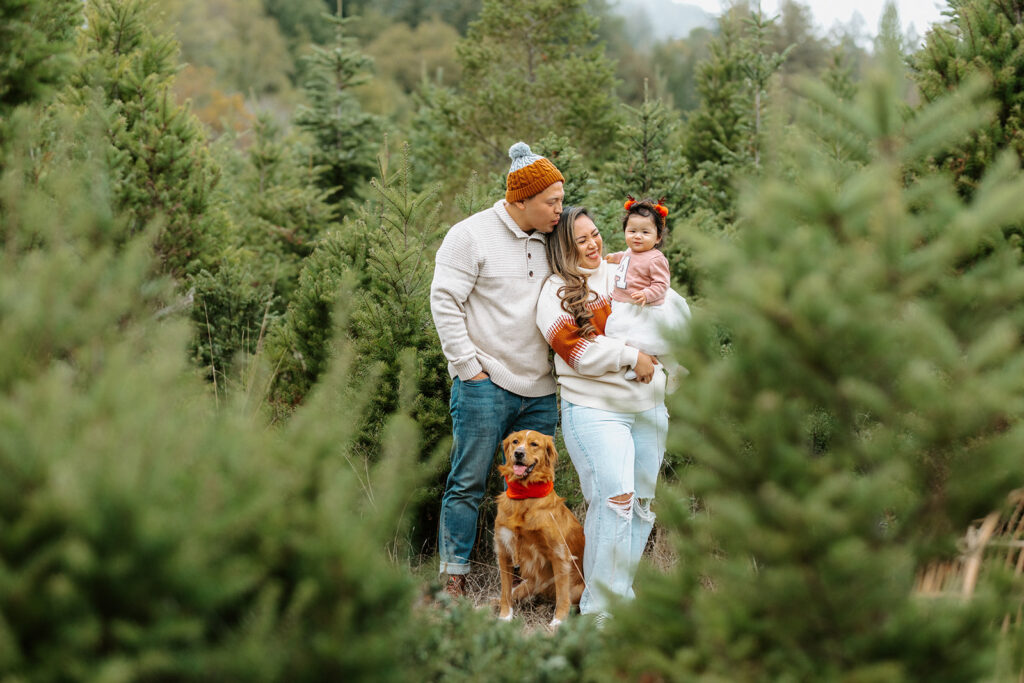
{"points": [[507, 617], [554, 623]]}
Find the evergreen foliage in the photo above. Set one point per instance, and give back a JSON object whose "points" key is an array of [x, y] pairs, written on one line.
{"points": [[467, 645], [725, 139], [232, 312], [143, 535], [866, 408], [648, 162], [381, 261], [530, 68], [758, 68], [157, 153], [344, 136], [734, 82], [718, 123], [35, 55], [280, 212], [982, 37], [794, 33], [458, 13], [838, 75], [279, 215], [163, 173], [890, 40], [403, 58], [563, 154], [299, 347], [382, 256], [301, 21], [678, 62], [398, 232], [856, 357]]}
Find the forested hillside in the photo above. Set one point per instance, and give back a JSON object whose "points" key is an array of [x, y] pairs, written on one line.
{"points": [[224, 422]]}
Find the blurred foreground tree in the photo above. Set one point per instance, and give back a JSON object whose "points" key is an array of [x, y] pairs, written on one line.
{"points": [[865, 407], [144, 535]]}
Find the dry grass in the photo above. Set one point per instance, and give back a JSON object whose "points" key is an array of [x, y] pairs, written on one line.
{"points": [[483, 584]]}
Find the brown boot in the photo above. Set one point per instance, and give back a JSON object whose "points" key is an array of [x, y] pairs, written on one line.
{"points": [[456, 586]]}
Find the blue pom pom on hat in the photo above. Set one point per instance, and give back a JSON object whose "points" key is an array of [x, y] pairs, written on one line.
{"points": [[529, 174]]}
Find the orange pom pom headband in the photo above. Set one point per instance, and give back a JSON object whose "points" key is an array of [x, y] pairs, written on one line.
{"points": [[659, 207]]}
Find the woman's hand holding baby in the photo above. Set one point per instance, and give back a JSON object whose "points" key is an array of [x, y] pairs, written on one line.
{"points": [[644, 367]]}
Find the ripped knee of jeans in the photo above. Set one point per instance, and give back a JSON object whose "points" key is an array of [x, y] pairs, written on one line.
{"points": [[643, 510], [623, 505]]}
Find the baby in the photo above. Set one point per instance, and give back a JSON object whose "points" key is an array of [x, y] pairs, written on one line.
{"points": [[643, 303]]}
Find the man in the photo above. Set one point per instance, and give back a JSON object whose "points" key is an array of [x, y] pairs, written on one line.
{"points": [[488, 275]]}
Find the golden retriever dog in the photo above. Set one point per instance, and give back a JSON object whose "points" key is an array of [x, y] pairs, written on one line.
{"points": [[535, 529]]}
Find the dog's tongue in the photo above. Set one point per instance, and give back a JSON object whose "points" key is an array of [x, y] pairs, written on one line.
{"points": [[519, 470]]}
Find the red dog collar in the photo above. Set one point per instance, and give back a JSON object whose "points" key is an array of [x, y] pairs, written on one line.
{"points": [[517, 490]]}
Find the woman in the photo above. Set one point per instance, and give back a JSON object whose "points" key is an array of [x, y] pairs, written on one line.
{"points": [[614, 428]]}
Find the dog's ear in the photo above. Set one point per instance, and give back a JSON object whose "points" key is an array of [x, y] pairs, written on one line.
{"points": [[552, 451]]}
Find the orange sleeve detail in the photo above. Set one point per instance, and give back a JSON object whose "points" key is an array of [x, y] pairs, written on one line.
{"points": [[564, 337]]}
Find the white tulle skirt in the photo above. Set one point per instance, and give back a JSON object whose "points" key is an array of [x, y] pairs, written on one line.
{"points": [[644, 327]]}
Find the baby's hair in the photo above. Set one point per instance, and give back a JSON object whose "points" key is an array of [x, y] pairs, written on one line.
{"points": [[649, 208]]}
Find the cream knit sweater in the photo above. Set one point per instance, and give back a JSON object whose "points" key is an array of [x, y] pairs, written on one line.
{"points": [[487, 276], [591, 372]]}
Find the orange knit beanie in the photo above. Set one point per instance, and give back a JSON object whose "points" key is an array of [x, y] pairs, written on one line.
{"points": [[529, 174]]}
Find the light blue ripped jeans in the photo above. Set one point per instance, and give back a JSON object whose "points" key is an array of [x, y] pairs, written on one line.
{"points": [[615, 455]]}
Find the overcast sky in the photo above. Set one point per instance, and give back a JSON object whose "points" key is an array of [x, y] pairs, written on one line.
{"points": [[920, 13]]}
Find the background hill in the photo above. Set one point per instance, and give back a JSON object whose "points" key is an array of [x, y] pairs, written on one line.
{"points": [[665, 18]]}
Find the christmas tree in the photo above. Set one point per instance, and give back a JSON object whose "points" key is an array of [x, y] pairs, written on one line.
{"points": [[145, 535], [35, 45], [157, 150], [381, 257], [854, 402], [982, 38], [345, 137]]}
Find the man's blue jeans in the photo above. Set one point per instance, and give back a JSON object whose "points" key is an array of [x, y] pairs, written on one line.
{"points": [[482, 415]]}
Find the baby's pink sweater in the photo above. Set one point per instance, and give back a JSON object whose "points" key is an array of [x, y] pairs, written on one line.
{"points": [[646, 272]]}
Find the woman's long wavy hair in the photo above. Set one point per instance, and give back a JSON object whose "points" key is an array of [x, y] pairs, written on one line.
{"points": [[564, 257]]}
